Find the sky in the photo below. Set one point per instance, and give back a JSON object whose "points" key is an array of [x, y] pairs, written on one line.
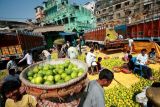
{"points": [[21, 10]]}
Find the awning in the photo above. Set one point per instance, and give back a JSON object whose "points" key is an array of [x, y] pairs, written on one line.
{"points": [[67, 33], [48, 29]]}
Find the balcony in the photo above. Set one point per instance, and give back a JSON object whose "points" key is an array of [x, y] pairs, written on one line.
{"points": [[60, 13]]}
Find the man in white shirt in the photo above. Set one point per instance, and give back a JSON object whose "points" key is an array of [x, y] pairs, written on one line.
{"points": [[142, 58], [46, 54], [130, 41], [27, 57], [90, 58], [72, 53]]}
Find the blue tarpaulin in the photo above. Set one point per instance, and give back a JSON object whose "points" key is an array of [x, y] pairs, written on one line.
{"points": [[66, 33], [120, 27]]}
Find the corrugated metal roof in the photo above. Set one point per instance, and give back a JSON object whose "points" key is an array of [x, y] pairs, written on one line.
{"points": [[48, 29]]}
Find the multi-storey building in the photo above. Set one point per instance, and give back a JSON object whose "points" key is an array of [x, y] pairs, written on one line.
{"points": [[39, 14], [72, 16], [117, 12], [90, 6]]}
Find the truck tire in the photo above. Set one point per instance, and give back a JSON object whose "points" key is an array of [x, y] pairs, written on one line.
{"points": [[96, 46], [91, 45]]}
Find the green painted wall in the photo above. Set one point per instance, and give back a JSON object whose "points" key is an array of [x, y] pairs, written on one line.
{"points": [[60, 12]]}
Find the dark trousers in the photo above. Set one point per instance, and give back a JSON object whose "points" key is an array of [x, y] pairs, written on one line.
{"points": [[146, 71]]}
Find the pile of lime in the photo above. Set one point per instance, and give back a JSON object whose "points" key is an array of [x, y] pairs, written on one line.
{"points": [[54, 74]]}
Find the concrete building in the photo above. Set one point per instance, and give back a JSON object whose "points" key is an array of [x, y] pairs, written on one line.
{"points": [[73, 17], [90, 6], [111, 13], [39, 14]]}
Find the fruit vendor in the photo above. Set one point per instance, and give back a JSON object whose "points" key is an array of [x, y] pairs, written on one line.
{"points": [[46, 54], [125, 58], [153, 58], [130, 44], [63, 51], [72, 53], [27, 57], [142, 58], [12, 76], [95, 91], [91, 57], [91, 60], [152, 54], [99, 64], [146, 70], [13, 95], [68, 43], [12, 64]]}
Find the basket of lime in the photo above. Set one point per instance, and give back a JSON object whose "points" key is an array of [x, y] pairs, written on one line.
{"points": [[55, 78]]}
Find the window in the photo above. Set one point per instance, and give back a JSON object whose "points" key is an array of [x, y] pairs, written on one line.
{"points": [[72, 19], [147, 7], [136, 1], [59, 22], [136, 10], [97, 12], [110, 17], [99, 20], [118, 15], [65, 20], [118, 6], [97, 6], [110, 9], [104, 17], [104, 10], [76, 7], [126, 3]]}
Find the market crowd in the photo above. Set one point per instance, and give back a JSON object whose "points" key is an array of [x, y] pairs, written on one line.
{"points": [[13, 93]]}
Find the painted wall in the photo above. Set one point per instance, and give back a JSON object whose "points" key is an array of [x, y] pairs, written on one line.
{"points": [[69, 15]]}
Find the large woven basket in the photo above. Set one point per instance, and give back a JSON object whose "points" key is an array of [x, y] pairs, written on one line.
{"points": [[56, 91]]}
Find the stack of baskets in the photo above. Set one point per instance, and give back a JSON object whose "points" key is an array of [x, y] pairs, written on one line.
{"points": [[63, 90]]}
